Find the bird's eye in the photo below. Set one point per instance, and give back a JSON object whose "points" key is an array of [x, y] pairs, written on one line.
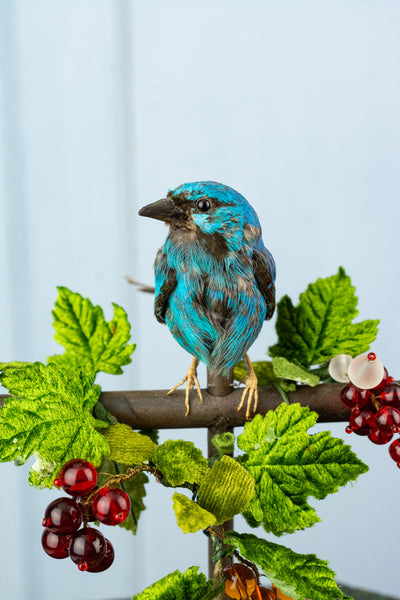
{"points": [[203, 205]]}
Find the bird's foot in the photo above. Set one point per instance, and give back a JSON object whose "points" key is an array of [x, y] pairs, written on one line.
{"points": [[191, 378], [251, 390]]}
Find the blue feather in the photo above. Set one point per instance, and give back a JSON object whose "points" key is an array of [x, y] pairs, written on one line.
{"points": [[215, 280]]}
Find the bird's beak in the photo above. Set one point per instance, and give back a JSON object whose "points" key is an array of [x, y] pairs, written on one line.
{"points": [[164, 210]]}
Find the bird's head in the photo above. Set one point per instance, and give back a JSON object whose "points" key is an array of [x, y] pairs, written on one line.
{"points": [[205, 208]]}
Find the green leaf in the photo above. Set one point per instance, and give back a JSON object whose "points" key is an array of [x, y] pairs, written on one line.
{"points": [[289, 465], [224, 443], [127, 446], [49, 415], [320, 326], [299, 576], [288, 370], [189, 515], [180, 462], [263, 370], [226, 490], [134, 487], [91, 343], [189, 585]]}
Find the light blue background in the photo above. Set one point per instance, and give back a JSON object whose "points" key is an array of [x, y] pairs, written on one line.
{"points": [[104, 106]]}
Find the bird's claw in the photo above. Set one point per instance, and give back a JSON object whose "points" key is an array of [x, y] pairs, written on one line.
{"points": [[191, 378], [250, 391]]}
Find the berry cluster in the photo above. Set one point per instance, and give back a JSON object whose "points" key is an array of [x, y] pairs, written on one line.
{"points": [[242, 583], [63, 536], [375, 411]]}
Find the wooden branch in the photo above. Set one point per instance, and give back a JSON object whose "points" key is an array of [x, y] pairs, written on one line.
{"points": [[156, 410], [153, 409]]}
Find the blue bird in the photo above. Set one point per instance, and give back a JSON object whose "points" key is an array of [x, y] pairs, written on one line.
{"points": [[214, 279]]}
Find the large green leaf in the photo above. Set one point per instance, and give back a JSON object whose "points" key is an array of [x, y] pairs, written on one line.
{"points": [[189, 585], [91, 344], [321, 326], [299, 576], [289, 465], [49, 415]]}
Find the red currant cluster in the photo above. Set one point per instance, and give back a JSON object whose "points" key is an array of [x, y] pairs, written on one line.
{"points": [[375, 411], [62, 537], [242, 583]]}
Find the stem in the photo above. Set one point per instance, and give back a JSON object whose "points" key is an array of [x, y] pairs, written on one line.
{"points": [[115, 480]]}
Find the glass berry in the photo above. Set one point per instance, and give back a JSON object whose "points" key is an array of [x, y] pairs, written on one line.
{"points": [[77, 477], [377, 436], [240, 581], [366, 371], [87, 548], [111, 506], [63, 515], [387, 419], [55, 544], [390, 395], [106, 561], [263, 593], [360, 422], [353, 397], [394, 451]]}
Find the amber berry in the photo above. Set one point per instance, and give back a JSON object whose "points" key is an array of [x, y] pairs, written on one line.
{"points": [[263, 593], [240, 581], [77, 477], [110, 506]]}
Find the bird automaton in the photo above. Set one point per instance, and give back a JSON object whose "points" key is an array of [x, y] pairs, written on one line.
{"points": [[214, 288]]}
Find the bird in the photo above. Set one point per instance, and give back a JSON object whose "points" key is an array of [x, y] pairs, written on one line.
{"points": [[214, 280]]}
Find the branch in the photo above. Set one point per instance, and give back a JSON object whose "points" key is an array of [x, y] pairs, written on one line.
{"points": [[153, 409]]}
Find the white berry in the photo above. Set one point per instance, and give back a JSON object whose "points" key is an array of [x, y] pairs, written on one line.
{"points": [[339, 366], [366, 373]]}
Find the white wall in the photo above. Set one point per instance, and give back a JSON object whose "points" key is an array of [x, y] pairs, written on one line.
{"points": [[104, 106]]}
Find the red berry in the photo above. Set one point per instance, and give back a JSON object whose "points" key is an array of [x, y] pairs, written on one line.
{"points": [[353, 397], [87, 548], [387, 419], [390, 394], [394, 451], [63, 515], [240, 581], [377, 436], [360, 421], [105, 562], [111, 506], [55, 544], [77, 477]]}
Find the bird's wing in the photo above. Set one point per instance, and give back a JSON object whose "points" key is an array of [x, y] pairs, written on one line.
{"points": [[264, 273], [165, 280]]}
